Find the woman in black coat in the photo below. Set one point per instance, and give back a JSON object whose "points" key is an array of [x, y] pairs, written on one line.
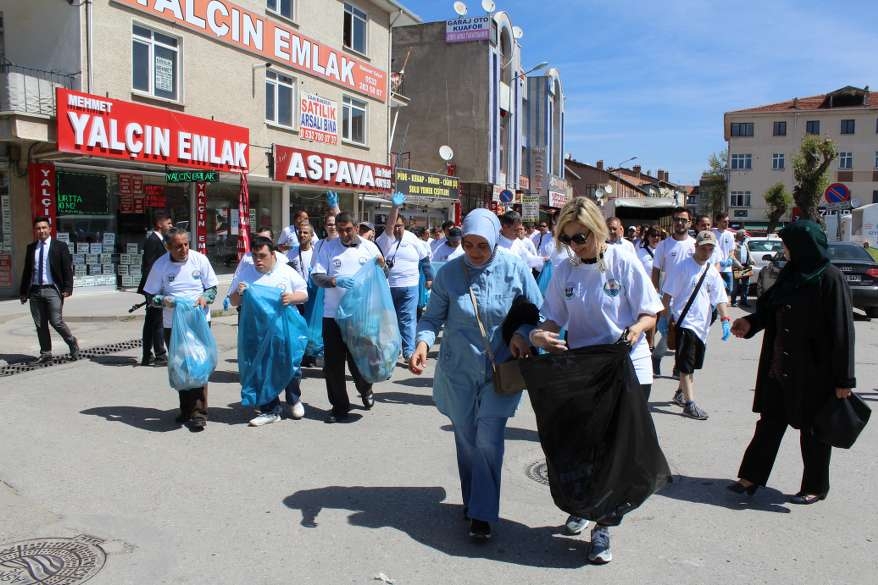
{"points": [[807, 358]]}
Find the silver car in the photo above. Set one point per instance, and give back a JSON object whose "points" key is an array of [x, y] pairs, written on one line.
{"points": [[761, 251]]}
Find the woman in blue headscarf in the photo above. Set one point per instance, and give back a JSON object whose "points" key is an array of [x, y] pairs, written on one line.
{"points": [[463, 389]]}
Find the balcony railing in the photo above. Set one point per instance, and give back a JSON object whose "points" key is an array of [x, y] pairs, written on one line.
{"points": [[30, 91]]}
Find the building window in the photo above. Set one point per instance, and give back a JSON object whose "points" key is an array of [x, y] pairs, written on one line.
{"points": [[874, 196], [876, 159], [848, 126], [281, 7], [280, 95], [846, 160], [812, 127], [355, 28], [739, 199], [741, 162], [742, 128], [155, 63], [780, 129], [353, 120], [777, 161]]}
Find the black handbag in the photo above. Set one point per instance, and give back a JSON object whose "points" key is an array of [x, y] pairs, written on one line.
{"points": [[841, 420]]}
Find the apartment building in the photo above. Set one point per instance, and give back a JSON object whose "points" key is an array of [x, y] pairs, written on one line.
{"points": [[165, 104], [763, 140]]}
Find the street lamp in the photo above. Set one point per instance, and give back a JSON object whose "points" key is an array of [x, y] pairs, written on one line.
{"points": [[619, 166], [540, 65]]}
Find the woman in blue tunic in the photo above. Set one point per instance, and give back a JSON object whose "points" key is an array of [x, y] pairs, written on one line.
{"points": [[463, 389]]}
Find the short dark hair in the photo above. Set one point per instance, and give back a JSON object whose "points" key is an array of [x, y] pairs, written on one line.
{"points": [[447, 225], [720, 215], [702, 216], [679, 210], [263, 230], [344, 217], [510, 218], [259, 242], [40, 219], [160, 216]]}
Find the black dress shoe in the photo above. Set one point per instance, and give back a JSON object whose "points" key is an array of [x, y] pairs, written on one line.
{"points": [[804, 499], [740, 488], [45, 358], [336, 418], [479, 530], [160, 360], [368, 400], [146, 360], [197, 424]]}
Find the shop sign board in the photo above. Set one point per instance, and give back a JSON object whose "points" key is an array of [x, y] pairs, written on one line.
{"points": [[154, 197], [524, 183], [109, 128], [326, 171], [192, 177], [43, 182], [464, 30], [201, 217], [418, 185], [530, 208], [81, 194], [557, 199], [228, 23], [318, 119]]}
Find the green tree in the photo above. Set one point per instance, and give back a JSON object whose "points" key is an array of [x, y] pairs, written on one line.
{"points": [[778, 200], [810, 168], [714, 183]]}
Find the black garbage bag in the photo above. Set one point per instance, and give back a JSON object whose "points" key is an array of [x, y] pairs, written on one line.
{"points": [[601, 449]]}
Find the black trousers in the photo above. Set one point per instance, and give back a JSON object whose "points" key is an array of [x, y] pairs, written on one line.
{"points": [[762, 451], [335, 354], [153, 336], [193, 402]]}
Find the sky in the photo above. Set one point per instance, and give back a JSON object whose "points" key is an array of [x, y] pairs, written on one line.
{"points": [[652, 79]]}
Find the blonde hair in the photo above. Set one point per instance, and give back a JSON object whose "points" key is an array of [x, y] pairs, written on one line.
{"points": [[585, 212]]}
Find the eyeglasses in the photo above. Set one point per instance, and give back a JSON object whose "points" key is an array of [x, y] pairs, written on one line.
{"points": [[578, 239], [681, 220], [542, 225], [330, 225]]}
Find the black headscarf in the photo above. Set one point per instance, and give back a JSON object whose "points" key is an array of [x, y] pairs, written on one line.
{"points": [[809, 256]]}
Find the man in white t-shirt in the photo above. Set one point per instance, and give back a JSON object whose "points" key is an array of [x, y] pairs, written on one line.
{"points": [[725, 242], [617, 234], [438, 241], [406, 256], [182, 274], [267, 270], [451, 248], [334, 266], [301, 257], [698, 280], [508, 240], [289, 237]]}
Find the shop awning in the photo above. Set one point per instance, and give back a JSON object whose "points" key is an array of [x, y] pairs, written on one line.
{"points": [[645, 202]]}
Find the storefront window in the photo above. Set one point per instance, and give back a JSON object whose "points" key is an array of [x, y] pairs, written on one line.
{"points": [[223, 223]]}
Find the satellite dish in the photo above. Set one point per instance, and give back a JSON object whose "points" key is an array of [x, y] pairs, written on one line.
{"points": [[488, 5], [608, 188], [599, 193], [517, 32], [446, 153], [460, 8]]}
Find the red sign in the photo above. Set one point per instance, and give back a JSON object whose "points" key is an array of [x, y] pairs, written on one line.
{"points": [[109, 128], [155, 196], [5, 270], [244, 217], [42, 192], [253, 32], [201, 217], [294, 165]]}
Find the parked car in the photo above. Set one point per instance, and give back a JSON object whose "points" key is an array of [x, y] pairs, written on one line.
{"points": [[759, 248], [858, 266]]}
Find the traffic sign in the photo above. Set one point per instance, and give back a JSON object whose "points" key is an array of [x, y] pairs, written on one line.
{"points": [[837, 193], [506, 196]]}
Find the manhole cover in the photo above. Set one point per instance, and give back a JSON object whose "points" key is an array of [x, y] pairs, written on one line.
{"points": [[51, 561], [538, 472]]}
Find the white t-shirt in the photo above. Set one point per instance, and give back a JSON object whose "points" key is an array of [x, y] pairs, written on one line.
{"points": [[436, 243], [670, 253], [405, 255], [544, 243], [712, 292], [647, 258], [282, 277], [445, 253], [623, 243], [335, 259], [726, 244], [181, 279], [517, 247], [528, 245], [595, 307]]}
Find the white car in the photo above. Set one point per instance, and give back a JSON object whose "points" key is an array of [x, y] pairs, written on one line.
{"points": [[759, 248]]}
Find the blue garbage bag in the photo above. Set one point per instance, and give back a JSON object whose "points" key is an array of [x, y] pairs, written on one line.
{"points": [[314, 318], [271, 342], [192, 355], [545, 277], [423, 293], [368, 324]]}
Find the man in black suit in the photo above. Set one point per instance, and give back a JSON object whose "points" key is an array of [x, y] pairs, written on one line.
{"points": [[46, 281], [153, 333]]}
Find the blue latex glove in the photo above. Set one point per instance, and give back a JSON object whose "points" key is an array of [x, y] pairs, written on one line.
{"points": [[226, 303], [726, 263], [346, 282], [332, 199], [727, 329], [398, 199], [662, 325]]}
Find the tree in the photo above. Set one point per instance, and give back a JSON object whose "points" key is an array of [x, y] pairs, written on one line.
{"points": [[778, 201], [714, 183], [810, 168]]}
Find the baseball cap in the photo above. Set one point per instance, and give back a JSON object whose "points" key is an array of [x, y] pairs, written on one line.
{"points": [[455, 233], [704, 238], [369, 226]]}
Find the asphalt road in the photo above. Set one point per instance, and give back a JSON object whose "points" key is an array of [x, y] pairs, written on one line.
{"points": [[91, 448]]}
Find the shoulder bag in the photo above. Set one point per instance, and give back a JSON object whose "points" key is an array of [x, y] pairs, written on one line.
{"points": [[672, 325]]}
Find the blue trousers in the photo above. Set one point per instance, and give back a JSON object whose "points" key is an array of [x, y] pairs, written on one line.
{"points": [[727, 281], [293, 392], [479, 443], [405, 301]]}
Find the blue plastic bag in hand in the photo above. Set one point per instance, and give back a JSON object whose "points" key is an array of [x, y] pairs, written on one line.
{"points": [[545, 277], [368, 324], [271, 342], [192, 354], [314, 319]]}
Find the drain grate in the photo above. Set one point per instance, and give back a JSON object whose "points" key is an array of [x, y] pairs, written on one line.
{"points": [[20, 368], [538, 471]]}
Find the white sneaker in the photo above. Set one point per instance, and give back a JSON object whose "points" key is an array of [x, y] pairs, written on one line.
{"points": [[266, 418], [575, 525], [297, 410], [599, 552]]}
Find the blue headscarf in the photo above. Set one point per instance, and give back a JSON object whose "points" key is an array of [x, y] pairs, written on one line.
{"points": [[485, 224]]}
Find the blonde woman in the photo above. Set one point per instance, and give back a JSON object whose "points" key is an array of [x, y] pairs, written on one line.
{"points": [[600, 294]]}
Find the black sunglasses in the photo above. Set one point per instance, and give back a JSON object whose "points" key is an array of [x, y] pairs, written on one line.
{"points": [[578, 239]]}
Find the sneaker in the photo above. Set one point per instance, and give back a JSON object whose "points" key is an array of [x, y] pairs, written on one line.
{"points": [[297, 410], [599, 552], [479, 529], [679, 399], [45, 358], [692, 410], [575, 525], [266, 418], [160, 360]]}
